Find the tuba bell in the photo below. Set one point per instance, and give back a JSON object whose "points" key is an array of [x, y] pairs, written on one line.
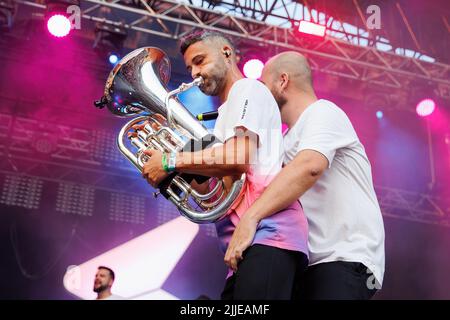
{"points": [[137, 87]]}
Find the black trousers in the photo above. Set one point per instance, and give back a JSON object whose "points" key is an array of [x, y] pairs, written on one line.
{"points": [[265, 273], [338, 280]]}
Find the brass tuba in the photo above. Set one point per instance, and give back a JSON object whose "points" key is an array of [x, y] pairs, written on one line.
{"points": [[137, 87]]}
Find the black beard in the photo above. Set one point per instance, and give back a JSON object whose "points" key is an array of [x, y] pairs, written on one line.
{"points": [[101, 288], [212, 89], [214, 82]]}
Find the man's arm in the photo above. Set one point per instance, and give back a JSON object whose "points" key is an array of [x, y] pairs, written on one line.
{"points": [[290, 184], [232, 158]]}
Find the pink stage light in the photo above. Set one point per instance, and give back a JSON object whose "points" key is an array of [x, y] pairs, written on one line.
{"points": [[425, 107], [58, 25], [311, 28], [253, 68]]}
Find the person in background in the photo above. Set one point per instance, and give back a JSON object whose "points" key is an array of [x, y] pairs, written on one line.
{"points": [[104, 279]]}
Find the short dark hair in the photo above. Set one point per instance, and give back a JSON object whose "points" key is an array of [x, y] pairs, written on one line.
{"points": [[113, 276], [200, 35]]}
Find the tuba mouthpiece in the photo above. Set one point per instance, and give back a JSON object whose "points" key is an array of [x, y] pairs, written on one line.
{"points": [[198, 81]]}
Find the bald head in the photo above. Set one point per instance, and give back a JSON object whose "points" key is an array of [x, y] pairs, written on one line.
{"points": [[295, 65]]}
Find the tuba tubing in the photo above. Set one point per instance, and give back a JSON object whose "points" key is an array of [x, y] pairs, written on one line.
{"points": [[137, 87]]}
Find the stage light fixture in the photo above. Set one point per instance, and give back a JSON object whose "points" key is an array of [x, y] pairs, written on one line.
{"points": [[75, 199], [310, 28], [57, 18], [58, 25], [127, 208], [425, 107], [109, 40], [253, 68], [113, 58], [379, 114], [109, 37], [22, 191]]}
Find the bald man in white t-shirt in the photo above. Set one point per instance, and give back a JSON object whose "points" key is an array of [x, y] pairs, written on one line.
{"points": [[326, 167]]}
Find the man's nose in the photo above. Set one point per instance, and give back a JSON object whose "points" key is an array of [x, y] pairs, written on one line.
{"points": [[195, 72]]}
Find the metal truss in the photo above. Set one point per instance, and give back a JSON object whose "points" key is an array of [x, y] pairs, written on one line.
{"points": [[413, 206], [59, 153], [71, 157], [107, 180], [340, 55], [52, 141]]}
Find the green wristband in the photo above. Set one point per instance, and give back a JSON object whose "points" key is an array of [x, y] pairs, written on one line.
{"points": [[164, 163]]}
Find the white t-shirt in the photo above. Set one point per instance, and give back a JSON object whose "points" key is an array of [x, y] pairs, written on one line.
{"points": [[250, 105], [344, 217]]}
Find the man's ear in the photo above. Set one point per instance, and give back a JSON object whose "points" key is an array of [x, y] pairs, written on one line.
{"points": [[226, 50], [284, 78]]}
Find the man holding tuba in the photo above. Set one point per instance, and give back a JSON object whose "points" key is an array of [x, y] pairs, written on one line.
{"points": [[249, 125]]}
